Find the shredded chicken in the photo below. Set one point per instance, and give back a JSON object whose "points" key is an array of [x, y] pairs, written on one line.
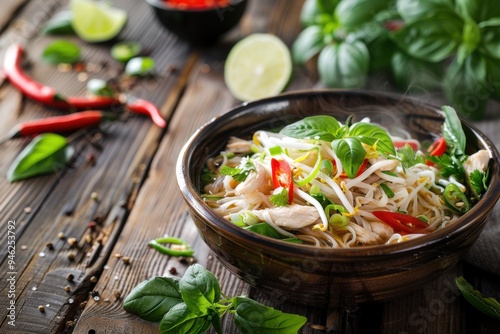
{"points": [[478, 160], [255, 181], [290, 217]]}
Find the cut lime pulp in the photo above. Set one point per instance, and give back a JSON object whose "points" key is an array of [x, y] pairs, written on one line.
{"points": [[258, 66]]}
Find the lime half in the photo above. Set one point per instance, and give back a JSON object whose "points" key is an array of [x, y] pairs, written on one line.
{"points": [[96, 21], [258, 66]]}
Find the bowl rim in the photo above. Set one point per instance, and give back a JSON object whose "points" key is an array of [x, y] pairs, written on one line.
{"points": [[163, 5], [192, 197]]}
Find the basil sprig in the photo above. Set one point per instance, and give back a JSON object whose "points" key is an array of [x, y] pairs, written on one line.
{"points": [[426, 44], [347, 141], [192, 304]]}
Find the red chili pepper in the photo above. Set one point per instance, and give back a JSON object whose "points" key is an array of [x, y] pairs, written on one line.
{"points": [[282, 176], [60, 124], [402, 223], [414, 144], [438, 148], [145, 107], [360, 171], [32, 89]]}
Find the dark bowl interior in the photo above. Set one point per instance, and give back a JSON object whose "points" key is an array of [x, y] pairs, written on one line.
{"points": [[309, 275], [199, 26]]}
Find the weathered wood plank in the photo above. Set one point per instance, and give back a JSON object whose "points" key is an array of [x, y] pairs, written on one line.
{"points": [[62, 202]]}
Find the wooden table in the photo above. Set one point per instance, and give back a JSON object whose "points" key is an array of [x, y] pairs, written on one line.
{"points": [[138, 199]]}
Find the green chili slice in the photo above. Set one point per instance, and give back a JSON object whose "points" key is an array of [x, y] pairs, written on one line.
{"points": [[387, 190], [314, 172], [157, 244], [455, 199]]}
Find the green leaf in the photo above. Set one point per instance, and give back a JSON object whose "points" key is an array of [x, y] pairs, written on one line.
{"points": [[466, 86], [153, 298], [449, 165], [487, 305], [471, 39], [199, 289], [254, 318], [265, 229], [61, 52], [45, 154], [351, 154], [280, 199], [372, 134], [239, 173], [59, 24], [140, 66], [452, 131], [414, 10], [354, 13], [478, 10], [490, 38], [493, 77], [317, 12], [409, 157], [415, 74], [433, 39], [344, 65], [309, 43], [314, 127], [180, 319], [477, 181]]}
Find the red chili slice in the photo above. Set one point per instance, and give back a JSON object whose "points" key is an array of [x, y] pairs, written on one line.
{"points": [[402, 223], [360, 171], [401, 143], [282, 176], [438, 148]]}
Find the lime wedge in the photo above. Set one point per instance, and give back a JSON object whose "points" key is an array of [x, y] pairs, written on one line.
{"points": [[258, 66], [96, 21]]}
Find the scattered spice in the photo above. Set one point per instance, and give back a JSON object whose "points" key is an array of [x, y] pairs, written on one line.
{"points": [[94, 196], [67, 288], [92, 225], [117, 294], [126, 260], [173, 270], [90, 158], [93, 279], [88, 239], [79, 67], [27, 209], [24, 247], [61, 235], [70, 277], [118, 255], [72, 242], [41, 308], [71, 256], [49, 246]]}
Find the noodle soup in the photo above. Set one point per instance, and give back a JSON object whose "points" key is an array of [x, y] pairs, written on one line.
{"points": [[347, 184]]}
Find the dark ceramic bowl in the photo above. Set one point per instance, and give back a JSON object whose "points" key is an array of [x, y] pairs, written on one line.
{"points": [[199, 26], [318, 276]]}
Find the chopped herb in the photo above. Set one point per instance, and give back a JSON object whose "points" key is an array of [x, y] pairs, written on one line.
{"points": [[409, 157], [387, 190], [279, 197]]}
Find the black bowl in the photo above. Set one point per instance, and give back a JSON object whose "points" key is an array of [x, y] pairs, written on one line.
{"points": [[322, 276], [199, 26]]}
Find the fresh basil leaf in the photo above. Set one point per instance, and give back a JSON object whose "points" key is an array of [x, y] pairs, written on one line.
{"points": [[309, 43], [61, 52], [351, 154], [328, 6], [314, 127], [372, 134], [314, 13], [466, 86], [453, 132], [252, 317], [344, 65], [45, 154], [471, 38], [199, 289], [415, 74], [140, 66], [487, 305], [153, 298], [353, 13], [414, 10], [124, 51], [478, 10], [433, 39], [59, 24], [180, 319], [99, 87], [490, 38]]}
